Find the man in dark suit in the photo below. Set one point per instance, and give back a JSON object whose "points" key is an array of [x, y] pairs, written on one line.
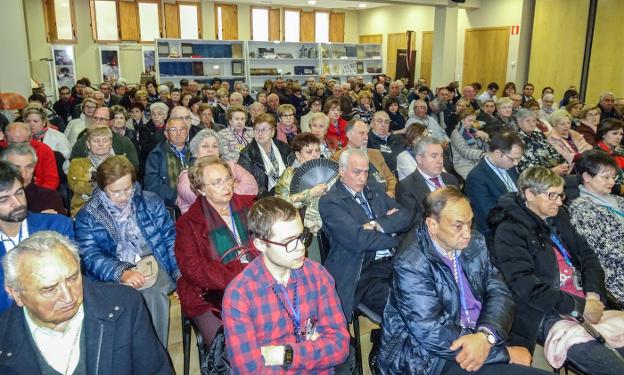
{"points": [[361, 223], [495, 175], [428, 176]]}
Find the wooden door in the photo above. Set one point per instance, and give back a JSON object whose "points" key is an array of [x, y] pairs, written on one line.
{"points": [[229, 21], [426, 53], [485, 55], [372, 38], [306, 27], [336, 27], [396, 42], [274, 24], [172, 21]]}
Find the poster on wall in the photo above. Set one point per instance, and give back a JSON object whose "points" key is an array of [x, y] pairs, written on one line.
{"points": [[64, 66], [109, 63], [149, 60]]}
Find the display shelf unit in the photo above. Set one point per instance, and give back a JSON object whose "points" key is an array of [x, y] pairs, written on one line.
{"points": [[200, 60], [292, 60], [254, 62], [341, 60]]}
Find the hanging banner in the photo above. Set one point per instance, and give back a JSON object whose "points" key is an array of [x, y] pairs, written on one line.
{"points": [[110, 71], [64, 67]]}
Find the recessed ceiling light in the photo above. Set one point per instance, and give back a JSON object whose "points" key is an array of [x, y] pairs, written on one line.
{"points": [[362, 5], [312, 2]]}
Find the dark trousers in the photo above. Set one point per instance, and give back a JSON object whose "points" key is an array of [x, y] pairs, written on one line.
{"points": [[374, 285], [452, 368]]}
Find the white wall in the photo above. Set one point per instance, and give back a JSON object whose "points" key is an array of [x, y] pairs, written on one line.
{"points": [[492, 13], [397, 19], [14, 67]]}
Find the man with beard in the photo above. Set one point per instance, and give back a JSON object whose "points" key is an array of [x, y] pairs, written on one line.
{"points": [[16, 223]]}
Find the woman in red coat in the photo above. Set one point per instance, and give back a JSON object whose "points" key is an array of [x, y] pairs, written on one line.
{"points": [[209, 237]]}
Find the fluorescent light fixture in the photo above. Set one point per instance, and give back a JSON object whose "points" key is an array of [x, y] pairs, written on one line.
{"points": [[311, 2], [362, 5]]}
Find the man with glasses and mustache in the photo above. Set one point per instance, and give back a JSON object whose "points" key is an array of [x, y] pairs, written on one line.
{"points": [[282, 314], [493, 176], [16, 223]]}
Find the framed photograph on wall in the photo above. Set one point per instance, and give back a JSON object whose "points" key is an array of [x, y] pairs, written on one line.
{"points": [[237, 68], [149, 59], [110, 69], [64, 67]]}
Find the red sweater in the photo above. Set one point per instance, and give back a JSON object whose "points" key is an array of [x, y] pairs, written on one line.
{"points": [[334, 135], [46, 174]]}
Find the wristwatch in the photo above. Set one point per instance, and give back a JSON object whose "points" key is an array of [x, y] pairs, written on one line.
{"points": [[490, 337], [288, 356]]}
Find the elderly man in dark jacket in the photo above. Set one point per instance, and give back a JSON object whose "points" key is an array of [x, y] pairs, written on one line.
{"points": [[550, 268], [64, 323], [449, 309]]}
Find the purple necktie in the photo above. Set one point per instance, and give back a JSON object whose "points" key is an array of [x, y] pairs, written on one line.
{"points": [[436, 182]]}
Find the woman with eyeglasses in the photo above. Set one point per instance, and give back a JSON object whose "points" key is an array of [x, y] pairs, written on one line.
{"points": [[552, 272], [305, 147], [265, 158], [236, 136], [206, 143], [590, 118], [211, 238], [81, 175], [78, 125], [598, 215], [364, 110], [504, 117], [406, 160], [287, 126], [126, 236], [566, 141], [609, 138]]}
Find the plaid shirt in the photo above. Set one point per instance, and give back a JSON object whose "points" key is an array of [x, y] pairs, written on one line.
{"points": [[253, 317]]}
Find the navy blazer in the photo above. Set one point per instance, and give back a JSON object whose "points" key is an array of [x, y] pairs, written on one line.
{"points": [[412, 191], [118, 333], [343, 218], [37, 222], [483, 187]]}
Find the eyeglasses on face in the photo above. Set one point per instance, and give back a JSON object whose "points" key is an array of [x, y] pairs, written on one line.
{"points": [[553, 196], [220, 182], [293, 244], [176, 130]]}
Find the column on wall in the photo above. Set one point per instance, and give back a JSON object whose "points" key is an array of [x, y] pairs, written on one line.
{"points": [[444, 45]]}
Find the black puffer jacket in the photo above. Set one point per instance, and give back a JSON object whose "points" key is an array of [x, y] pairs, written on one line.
{"points": [[522, 250], [422, 316]]}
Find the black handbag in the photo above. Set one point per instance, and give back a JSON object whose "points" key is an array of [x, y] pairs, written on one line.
{"points": [[215, 361]]}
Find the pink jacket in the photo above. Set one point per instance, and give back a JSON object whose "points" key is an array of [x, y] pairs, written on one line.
{"points": [[244, 184], [566, 333], [563, 147]]}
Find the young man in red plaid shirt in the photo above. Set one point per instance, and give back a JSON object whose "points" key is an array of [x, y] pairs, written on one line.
{"points": [[282, 313]]}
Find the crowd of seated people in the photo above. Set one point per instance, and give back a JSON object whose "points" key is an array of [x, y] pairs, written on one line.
{"points": [[476, 224]]}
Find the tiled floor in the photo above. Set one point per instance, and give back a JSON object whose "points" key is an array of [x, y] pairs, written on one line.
{"points": [[175, 344]]}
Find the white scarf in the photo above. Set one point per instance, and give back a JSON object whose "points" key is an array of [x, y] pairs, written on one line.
{"points": [[268, 166]]}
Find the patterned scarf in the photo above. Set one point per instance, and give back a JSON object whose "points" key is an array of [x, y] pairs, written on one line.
{"points": [[131, 244], [467, 134], [220, 234], [97, 160], [38, 136], [177, 160]]}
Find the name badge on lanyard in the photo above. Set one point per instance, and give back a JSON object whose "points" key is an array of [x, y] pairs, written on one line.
{"points": [[385, 148]]}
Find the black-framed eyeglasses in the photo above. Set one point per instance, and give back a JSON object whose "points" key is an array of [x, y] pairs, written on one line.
{"points": [[553, 196], [293, 244]]}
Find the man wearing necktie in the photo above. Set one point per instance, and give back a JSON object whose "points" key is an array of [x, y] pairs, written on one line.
{"points": [[361, 223], [493, 176], [428, 176]]}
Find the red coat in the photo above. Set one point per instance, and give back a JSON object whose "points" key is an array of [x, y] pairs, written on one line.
{"points": [[334, 135], [198, 260], [46, 173]]}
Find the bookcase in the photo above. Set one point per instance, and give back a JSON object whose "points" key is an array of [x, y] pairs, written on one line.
{"points": [[200, 60], [342, 60], [254, 62], [268, 60]]}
